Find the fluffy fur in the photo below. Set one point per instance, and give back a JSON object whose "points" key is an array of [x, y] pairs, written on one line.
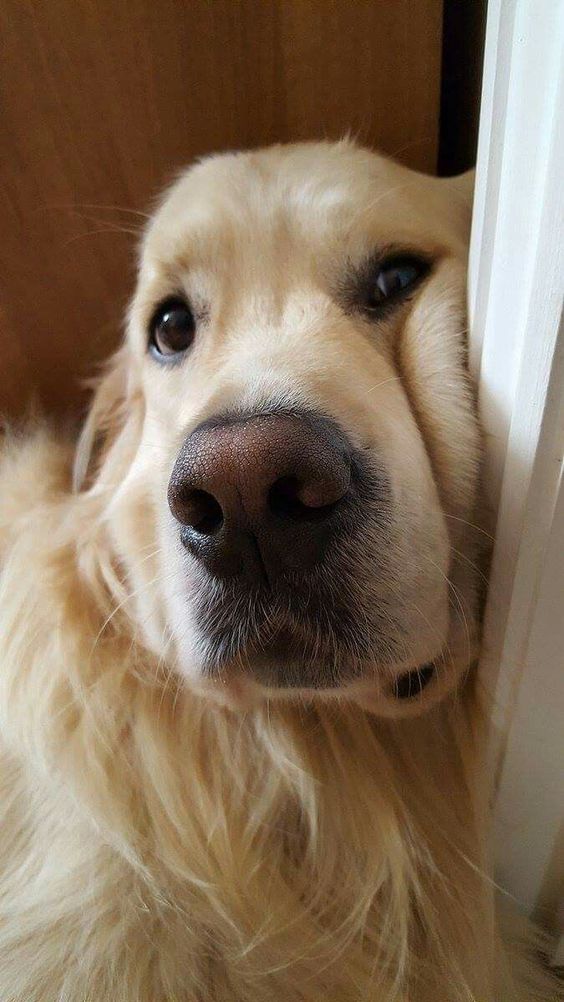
{"points": [[159, 844]]}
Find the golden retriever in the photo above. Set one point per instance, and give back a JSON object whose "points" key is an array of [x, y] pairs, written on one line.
{"points": [[241, 742]]}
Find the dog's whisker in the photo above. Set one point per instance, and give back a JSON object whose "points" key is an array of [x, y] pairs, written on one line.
{"points": [[157, 579], [92, 233], [456, 593], [109, 208], [423, 141], [471, 563], [390, 379], [471, 525], [76, 207], [112, 224]]}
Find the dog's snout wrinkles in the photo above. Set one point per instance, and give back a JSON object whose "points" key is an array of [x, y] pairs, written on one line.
{"points": [[261, 494]]}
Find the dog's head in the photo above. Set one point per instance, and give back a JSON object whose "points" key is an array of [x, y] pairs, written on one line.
{"points": [[294, 467]]}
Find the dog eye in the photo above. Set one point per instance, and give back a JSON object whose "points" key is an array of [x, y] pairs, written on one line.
{"points": [[172, 329], [393, 277]]}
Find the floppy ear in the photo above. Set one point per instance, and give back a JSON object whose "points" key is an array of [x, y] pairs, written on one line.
{"points": [[459, 191], [105, 418]]}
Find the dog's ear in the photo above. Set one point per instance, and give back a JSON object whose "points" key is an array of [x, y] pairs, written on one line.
{"points": [[107, 414], [464, 184], [459, 190]]}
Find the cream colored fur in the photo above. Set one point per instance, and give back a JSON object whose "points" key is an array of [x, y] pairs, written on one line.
{"points": [[160, 842]]}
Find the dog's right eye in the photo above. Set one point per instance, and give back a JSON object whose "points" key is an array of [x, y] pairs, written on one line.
{"points": [[171, 330]]}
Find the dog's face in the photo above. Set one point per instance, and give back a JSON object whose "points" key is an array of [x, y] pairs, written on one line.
{"points": [[301, 443]]}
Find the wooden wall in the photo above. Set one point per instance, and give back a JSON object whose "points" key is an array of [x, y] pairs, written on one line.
{"points": [[101, 100]]}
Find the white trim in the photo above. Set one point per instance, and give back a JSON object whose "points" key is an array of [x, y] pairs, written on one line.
{"points": [[516, 295]]}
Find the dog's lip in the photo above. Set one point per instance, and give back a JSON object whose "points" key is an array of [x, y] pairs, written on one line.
{"points": [[290, 659], [276, 672], [289, 656], [237, 690]]}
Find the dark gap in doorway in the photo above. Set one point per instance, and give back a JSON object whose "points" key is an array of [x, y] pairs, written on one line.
{"points": [[464, 28]]}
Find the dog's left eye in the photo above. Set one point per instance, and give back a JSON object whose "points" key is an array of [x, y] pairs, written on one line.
{"points": [[394, 276], [172, 329]]}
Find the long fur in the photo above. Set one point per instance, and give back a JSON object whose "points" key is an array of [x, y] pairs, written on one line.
{"points": [[158, 847]]}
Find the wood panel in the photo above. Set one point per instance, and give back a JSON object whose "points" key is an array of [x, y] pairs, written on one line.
{"points": [[101, 100]]}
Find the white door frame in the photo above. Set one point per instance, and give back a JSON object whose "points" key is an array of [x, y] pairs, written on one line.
{"points": [[516, 295]]}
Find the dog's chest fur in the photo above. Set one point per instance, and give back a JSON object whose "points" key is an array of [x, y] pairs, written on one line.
{"points": [[293, 877], [154, 848]]}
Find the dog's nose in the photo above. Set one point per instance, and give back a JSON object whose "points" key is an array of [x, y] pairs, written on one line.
{"points": [[262, 494]]}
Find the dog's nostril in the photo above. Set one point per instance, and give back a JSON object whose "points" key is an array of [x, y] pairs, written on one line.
{"points": [[289, 498], [202, 512]]}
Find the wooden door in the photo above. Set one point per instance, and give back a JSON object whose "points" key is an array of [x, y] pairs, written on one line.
{"points": [[102, 100]]}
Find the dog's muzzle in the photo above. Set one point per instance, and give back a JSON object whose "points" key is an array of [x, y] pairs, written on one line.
{"points": [[288, 527]]}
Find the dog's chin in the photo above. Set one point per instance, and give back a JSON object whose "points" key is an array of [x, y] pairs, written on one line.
{"points": [[289, 669], [293, 659]]}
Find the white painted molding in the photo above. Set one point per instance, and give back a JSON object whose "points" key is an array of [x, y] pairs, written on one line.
{"points": [[516, 296]]}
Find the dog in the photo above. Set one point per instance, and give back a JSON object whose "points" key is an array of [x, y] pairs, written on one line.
{"points": [[242, 734]]}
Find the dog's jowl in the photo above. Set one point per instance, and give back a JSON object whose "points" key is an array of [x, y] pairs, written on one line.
{"points": [[241, 744]]}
